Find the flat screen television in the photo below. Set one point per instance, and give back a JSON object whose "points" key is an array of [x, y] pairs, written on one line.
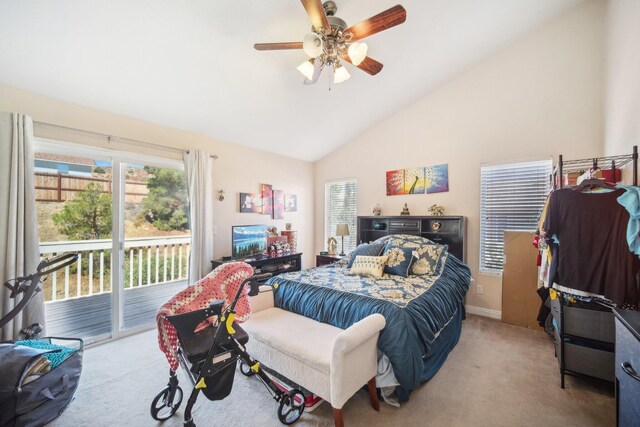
{"points": [[248, 240]]}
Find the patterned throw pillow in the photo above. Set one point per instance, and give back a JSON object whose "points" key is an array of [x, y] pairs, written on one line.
{"points": [[430, 253], [366, 249], [400, 259], [369, 265]]}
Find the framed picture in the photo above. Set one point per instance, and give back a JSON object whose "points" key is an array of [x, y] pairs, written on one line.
{"points": [[436, 178], [250, 203], [278, 204], [267, 199], [395, 182], [290, 203]]}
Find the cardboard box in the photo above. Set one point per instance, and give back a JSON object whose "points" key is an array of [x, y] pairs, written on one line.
{"points": [[520, 301]]}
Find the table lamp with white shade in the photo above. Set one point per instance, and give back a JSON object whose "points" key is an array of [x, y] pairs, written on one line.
{"points": [[342, 230]]}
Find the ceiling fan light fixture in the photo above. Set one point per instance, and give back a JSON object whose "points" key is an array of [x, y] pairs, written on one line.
{"points": [[340, 74], [357, 53], [307, 68], [312, 45]]}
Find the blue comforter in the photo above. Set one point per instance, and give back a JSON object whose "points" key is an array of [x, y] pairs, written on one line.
{"points": [[416, 308]]}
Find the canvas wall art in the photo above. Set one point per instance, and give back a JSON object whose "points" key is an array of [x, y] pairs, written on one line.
{"points": [[414, 181], [290, 203], [395, 182], [278, 204], [437, 178], [250, 203], [267, 199], [405, 181]]}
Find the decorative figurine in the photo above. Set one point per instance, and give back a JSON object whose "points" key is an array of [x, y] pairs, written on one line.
{"points": [[435, 210], [273, 231], [287, 226], [405, 210], [332, 244], [377, 209]]}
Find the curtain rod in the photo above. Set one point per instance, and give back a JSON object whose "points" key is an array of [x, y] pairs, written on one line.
{"points": [[109, 137]]}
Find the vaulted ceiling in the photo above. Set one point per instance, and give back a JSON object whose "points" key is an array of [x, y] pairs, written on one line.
{"points": [[191, 64]]}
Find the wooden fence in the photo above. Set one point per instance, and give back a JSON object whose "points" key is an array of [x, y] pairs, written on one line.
{"points": [[56, 187]]}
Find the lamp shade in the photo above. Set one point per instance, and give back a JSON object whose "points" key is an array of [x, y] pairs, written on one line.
{"points": [[340, 74], [307, 69], [357, 52], [312, 45], [342, 230]]}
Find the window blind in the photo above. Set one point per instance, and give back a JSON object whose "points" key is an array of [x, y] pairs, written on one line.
{"points": [[512, 197], [341, 201]]}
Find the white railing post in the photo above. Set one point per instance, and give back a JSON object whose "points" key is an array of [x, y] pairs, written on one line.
{"points": [[101, 271], [79, 276], [140, 267], [148, 265], [131, 268], [164, 264], [157, 264], [90, 273], [66, 282], [54, 284], [180, 261], [173, 257]]}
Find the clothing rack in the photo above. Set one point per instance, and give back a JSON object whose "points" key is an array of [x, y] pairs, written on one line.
{"points": [[582, 165]]}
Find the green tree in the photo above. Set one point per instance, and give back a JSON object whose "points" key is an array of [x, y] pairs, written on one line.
{"points": [[87, 216], [166, 204]]}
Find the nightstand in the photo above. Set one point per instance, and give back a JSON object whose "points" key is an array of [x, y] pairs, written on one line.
{"points": [[326, 259]]}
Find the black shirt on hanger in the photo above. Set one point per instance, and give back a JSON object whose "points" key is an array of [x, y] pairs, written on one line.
{"points": [[593, 255]]}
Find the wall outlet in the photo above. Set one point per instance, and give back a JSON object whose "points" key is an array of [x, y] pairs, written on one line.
{"points": [[479, 288]]}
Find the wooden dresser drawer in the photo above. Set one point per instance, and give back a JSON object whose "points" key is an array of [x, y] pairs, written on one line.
{"points": [[405, 225]]}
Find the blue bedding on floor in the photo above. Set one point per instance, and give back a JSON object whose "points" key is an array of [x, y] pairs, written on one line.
{"points": [[423, 313]]}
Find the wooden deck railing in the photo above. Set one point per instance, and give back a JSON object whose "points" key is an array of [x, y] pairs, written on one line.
{"points": [[147, 261]]}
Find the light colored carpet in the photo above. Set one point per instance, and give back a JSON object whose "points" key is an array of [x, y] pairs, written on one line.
{"points": [[498, 375]]}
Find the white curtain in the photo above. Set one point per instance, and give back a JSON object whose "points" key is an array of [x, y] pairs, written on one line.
{"points": [[199, 169], [19, 251]]}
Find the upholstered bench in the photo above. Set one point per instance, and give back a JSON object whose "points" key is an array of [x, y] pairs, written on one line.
{"points": [[331, 362]]}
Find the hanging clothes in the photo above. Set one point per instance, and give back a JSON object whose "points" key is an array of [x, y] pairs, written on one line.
{"points": [[593, 255]]}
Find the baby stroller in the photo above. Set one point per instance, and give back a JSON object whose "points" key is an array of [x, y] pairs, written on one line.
{"points": [[39, 376], [209, 357]]}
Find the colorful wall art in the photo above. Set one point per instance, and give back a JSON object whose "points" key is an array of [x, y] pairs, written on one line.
{"points": [[290, 203], [267, 199], [437, 178], [250, 203], [395, 182], [405, 181], [268, 202], [421, 180], [278, 204]]}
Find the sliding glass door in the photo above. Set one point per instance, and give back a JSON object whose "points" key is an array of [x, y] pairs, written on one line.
{"points": [[127, 220]]}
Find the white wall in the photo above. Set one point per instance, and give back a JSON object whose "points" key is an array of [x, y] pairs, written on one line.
{"points": [[623, 78], [238, 168], [541, 97]]}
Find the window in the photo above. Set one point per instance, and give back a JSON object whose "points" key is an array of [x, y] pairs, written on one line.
{"points": [[512, 197], [341, 201]]}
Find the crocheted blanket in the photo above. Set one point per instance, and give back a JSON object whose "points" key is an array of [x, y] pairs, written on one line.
{"points": [[222, 283]]}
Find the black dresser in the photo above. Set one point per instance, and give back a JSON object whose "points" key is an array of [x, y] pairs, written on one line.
{"points": [[627, 367]]}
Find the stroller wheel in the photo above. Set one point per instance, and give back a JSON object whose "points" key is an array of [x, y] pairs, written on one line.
{"points": [[246, 370], [163, 406], [291, 407]]}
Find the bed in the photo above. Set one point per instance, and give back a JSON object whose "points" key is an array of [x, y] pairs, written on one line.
{"points": [[424, 313]]}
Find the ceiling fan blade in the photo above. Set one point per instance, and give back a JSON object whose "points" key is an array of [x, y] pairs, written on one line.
{"points": [[380, 22], [316, 13], [317, 69], [278, 46], [368, 65]]}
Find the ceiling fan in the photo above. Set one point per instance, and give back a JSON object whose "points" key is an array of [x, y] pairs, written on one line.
{"points": [[332, 42]]}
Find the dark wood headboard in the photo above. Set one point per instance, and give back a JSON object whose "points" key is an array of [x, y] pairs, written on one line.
{"points": [[445, 230]]}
